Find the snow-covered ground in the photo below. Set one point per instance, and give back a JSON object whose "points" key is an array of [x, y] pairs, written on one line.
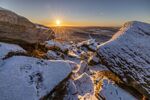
{"points": [[28, 78]]}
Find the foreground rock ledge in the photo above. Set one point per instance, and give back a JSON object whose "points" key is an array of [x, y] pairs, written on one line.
{"points": [[127, 54], [28, 78]]}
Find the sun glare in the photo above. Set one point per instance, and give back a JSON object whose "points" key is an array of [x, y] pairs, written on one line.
{"points": [[58, 22]]}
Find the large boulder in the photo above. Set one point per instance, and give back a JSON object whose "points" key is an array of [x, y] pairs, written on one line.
{"points": [[127, 54], [28, 78], [18, 29]]}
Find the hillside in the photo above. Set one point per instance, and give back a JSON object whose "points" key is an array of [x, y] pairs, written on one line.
{"points": [[18, 29]]}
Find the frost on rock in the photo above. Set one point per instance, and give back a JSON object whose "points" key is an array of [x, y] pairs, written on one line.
{"points": [[53, 55], [128, 55], [81, 88], [83, 67], [110, 91], [84, 85], [90, 44], [74, 66], [72, 93], [56, 46], [27, 78], [6, 48]]}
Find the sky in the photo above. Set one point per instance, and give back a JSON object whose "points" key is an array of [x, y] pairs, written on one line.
{"points": [[81, 12]]}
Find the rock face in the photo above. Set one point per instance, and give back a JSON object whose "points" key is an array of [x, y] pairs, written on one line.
{"points": [[18, 29], [127, 54], [28, 78]]}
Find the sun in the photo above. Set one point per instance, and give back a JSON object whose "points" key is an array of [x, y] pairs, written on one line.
{"points": [[58, 22]]}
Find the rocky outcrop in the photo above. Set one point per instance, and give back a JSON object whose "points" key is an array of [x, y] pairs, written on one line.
{"points": [[17, 29], [127, 54]]}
